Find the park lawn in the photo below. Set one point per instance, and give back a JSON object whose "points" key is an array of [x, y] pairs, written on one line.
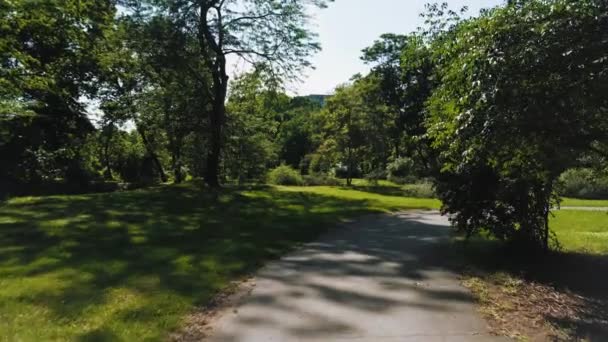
{"points": [[575, 202], [581, 231], [130, 265], [559, 296], [383, 201]]}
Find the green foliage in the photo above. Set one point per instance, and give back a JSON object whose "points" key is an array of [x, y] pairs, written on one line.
{"points": [[520, 99], [49, 58], [583, 183], [376, 175], [423, 189], [253, 108], [402, 167], [295, 136], [319, 163], [345, 119], [284, 175], [138, 261]]}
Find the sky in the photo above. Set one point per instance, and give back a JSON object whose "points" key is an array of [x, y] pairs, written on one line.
{"points": [[348, 26]]}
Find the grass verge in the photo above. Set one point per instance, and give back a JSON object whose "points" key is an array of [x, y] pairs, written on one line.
{"points": [[576, 202], [561, 296], [130, 265]]}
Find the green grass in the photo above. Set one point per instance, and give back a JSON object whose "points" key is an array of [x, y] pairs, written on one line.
{"points": [[579, 271], [575, 202], [375, 201], [129, 265], [581, 231]]}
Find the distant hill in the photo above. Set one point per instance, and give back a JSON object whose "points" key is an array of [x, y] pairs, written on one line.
{"points": [[320, 99]]}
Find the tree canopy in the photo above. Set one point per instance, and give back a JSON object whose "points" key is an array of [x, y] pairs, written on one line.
{"points": [[491, 109]]}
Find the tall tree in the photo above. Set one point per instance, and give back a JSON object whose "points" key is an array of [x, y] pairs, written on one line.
{"points": [[402, 69], [257, 31], [522, 97], [344, 121], [48, 63]]}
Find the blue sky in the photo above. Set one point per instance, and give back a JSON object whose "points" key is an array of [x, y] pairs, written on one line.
{"points": [[348, 26]]}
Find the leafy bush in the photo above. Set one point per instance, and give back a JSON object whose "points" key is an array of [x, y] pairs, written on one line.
{"points": [[403, 180], [321, 179], [317, 163], [420, 190], [341, 171], [583, 183], [402, 167], [374, 176], [285, 175]]}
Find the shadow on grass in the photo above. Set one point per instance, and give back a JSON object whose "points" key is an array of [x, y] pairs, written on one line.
{"points": [[584, 275], [380, 190], [409, 190], [118, 258]]}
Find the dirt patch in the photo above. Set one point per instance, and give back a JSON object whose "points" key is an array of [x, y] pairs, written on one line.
{"points": [[529, 311], [198, 325]]}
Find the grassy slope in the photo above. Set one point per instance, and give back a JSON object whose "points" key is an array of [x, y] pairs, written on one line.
{"points": [[581, 231], [377, 201], [128, 266], [575, 202]]}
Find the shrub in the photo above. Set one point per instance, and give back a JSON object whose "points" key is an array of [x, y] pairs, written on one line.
{"points": [[402, 167], [374, 176], [420, 190], [583, 183], [403, 180], [285, 175], [321, 179], [317, 163], [341, 171]]}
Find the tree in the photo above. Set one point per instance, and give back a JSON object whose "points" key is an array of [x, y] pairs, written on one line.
{"points": [[48, 63], [296, 130], [257, 31], [255, 108], [402, 70], [521, 98], [344, 127], [385, 57]]}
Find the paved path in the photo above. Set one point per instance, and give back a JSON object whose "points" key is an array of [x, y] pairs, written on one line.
{"points": [[373, 280]]}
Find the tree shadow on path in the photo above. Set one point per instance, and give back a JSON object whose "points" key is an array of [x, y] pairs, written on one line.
{"points": [[382, 276]]}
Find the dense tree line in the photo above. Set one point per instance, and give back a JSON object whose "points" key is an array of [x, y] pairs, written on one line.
{"points": [[492, 108], [157, 67]]}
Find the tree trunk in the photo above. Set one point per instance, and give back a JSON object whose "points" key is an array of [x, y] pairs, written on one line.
{"points": [[397, 149], [159, 166], [177, 166], [106, 154], [349, 171], [546, 232], [215, 142]]}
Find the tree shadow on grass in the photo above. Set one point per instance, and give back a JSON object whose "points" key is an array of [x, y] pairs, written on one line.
{"points": [[105, 259], [584, 275], [409, 190], [380, 190]]}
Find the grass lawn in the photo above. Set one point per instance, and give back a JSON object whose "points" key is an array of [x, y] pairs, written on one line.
{"points": [[130, 265], [376, 201], [575, 202], [559, 296], [581, 231]]}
